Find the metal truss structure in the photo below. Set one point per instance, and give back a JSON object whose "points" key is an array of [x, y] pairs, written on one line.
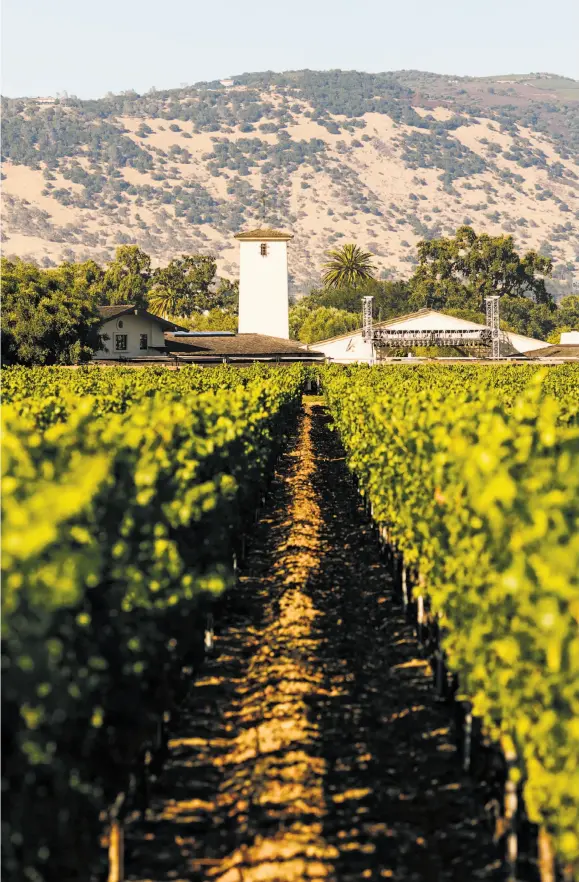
{"points": [[484, 340], [477, 338], [367, 334], [492, 312]]}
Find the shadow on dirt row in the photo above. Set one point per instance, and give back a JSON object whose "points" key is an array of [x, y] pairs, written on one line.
{"points": [[312, 746], [397, 804], [200, 810]]}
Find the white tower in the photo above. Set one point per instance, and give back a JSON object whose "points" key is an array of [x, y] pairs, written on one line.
{"points": [[263, 283]]}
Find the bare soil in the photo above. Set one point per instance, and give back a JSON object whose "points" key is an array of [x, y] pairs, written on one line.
{"points": [[313, 746]]}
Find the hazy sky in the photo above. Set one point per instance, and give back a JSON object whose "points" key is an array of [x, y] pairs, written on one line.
{"points": [[88, 48]]}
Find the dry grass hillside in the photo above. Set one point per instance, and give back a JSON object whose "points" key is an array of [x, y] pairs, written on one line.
{"points": [[383, 160]]}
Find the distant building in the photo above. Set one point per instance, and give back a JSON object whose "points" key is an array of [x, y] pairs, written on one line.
{"points": [[263, 283], [227, 82], [569, 338], [351, 348], [132, 333], [137, 335]]}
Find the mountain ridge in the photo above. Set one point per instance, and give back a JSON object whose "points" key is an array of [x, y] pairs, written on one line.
{"points": [[381, 159]]}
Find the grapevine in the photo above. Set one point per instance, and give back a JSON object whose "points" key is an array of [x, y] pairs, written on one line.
{"points": [[119, 525], [478, 484]]}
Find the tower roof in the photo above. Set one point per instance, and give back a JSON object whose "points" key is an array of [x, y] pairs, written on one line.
{"points": [[264, 235]]}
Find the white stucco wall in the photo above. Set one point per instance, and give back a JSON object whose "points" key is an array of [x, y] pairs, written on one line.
{"points": [[346, 350], [569, 337], [263, 289], [133, 326]]}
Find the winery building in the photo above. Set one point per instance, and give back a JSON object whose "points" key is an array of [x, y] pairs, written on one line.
{"points": [[128, 332], [136, 335]]}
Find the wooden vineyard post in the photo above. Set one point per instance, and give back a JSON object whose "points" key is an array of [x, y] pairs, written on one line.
{"points": [[385, 533], [510, 810], [209, 636], [405, 587], [467, 740], [116, 842], [546, 857], [116, 852], [383, 540], [420, 617]]}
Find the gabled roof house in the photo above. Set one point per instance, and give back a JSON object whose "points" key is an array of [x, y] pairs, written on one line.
{"points": [[130, 332]]}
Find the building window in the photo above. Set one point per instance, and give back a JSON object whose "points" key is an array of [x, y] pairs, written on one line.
{"points": [[120, 342], [263, 249], [120, 323], [143, 341]]}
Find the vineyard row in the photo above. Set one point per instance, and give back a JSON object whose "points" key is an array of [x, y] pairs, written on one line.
{"points": [[477, 490], [126, 496], [117, 532]]}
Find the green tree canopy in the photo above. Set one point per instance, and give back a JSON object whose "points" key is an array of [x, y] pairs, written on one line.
{"points": [[213, 320], [321, 323], [297, 316], [128, 277], [348, 265], [183, 286], [48, 317], [460, 271], [390, 298], [226, 296], [568, 314], [83, 277], [522, 315]]}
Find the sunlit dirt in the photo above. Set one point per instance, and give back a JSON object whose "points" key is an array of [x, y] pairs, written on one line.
{"points": [[313, 746]]}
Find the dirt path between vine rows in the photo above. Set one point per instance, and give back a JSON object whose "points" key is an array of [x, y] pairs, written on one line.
{"points": [[313, 746]]}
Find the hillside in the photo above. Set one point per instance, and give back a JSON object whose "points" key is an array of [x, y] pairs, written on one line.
{"points": [[382, 159]]}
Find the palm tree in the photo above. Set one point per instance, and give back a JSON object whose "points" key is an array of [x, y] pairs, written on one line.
{"points": [[348, 265], [163, 302]]}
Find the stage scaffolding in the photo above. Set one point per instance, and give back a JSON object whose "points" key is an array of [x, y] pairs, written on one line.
{"points": [[483, 341], [367, 318], [492, 311], [402, 338]]}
